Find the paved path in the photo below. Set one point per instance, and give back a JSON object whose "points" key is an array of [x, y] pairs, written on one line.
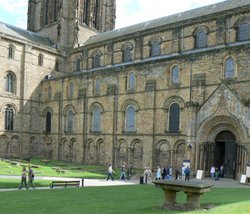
{"points": [[226, 183], [223, 183], [87, 182]]}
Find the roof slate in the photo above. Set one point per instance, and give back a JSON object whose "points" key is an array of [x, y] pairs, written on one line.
{"points": [[25, 35], [167, 20]]}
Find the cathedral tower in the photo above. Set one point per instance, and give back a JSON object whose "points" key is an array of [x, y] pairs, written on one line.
{"points": [[70, 22]]}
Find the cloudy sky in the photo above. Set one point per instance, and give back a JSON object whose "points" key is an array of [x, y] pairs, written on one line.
{"points": [[128, 11]]}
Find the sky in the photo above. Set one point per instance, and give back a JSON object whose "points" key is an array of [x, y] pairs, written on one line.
{"points": [[128, 12]]}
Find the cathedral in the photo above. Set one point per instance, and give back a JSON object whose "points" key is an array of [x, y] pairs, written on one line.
{"points": [[165, 92]]}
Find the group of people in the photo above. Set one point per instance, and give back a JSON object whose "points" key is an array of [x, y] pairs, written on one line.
{"points": [[147, 175], [161, 173], [217, 173], [167, 173], [110, 172], [24, 178]]}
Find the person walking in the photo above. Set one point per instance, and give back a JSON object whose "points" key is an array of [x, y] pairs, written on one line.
{"points": [[164, 173], [123, 172], [145, 175], [177, 174], [30, 178], [170, 172], [221, 171], [187, 173], [110, 172], [23, 178], [149, 176], [212, 172], [183, 172], [158, 173]]}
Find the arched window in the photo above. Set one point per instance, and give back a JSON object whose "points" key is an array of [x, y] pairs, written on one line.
{"points": [[229, 68], [97, 61], [130, 119], [48, 122], [155, 49], [127, 54], [201, 39], [243, 31], [97, 86], [131, 83], [174, 118], [78, 65], [85, 17], [175, 75], [10, 83], [9, 117], [96, 13], [55, 10], [49, 92], [40, 60], [96, 120], [57, 65], [11, 52], [69, 121], [71, 89], [46, 12]]}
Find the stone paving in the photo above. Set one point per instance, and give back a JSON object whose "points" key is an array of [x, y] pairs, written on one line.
{"points": [[223, 182]]}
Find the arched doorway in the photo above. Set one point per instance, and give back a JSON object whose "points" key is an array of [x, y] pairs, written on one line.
{"points": [[225, 153], [224, 139]]}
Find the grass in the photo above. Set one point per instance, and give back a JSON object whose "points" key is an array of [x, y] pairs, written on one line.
{"points": [[141, 199], [52, 168], [47, 168], [14, 183], [106, 200]]}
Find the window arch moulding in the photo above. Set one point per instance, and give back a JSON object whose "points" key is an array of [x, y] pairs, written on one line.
{"points": [[242, 28], [229, 70], [200, 36], [155, 46]]}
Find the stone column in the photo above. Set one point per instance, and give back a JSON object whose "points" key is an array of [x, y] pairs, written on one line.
{"points": [[109, 57], [138, 48], [193, 199], [170, 198], [85, 59], [190, 132]]}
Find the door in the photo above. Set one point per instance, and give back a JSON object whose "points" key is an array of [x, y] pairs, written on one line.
{"points": [[226, 153], [230, 159]]}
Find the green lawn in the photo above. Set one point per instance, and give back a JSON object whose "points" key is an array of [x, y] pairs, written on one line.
{"points": [[52, 168], [116, 200], [47, 168], [14, 183]]}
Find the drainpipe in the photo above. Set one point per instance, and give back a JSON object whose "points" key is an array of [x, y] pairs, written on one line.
{"points": [[115, 125], [60, 115], [190, 81], [85, 122], [21, 103], [154, 113]]}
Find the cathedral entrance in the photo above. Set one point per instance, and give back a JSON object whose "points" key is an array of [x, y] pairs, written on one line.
{"points": [[225, 153]]}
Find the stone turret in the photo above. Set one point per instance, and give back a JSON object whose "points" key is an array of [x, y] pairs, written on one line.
{"points": [[70, 22]]}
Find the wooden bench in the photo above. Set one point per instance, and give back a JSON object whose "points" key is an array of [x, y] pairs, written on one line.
{"points": [[45, 161], [64, 184], [193, 190]]}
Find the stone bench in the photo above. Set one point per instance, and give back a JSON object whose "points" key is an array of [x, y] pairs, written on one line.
{"points": [[193, 190]]}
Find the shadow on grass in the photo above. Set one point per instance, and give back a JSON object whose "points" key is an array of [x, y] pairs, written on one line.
{"points": [[11, 184]]}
